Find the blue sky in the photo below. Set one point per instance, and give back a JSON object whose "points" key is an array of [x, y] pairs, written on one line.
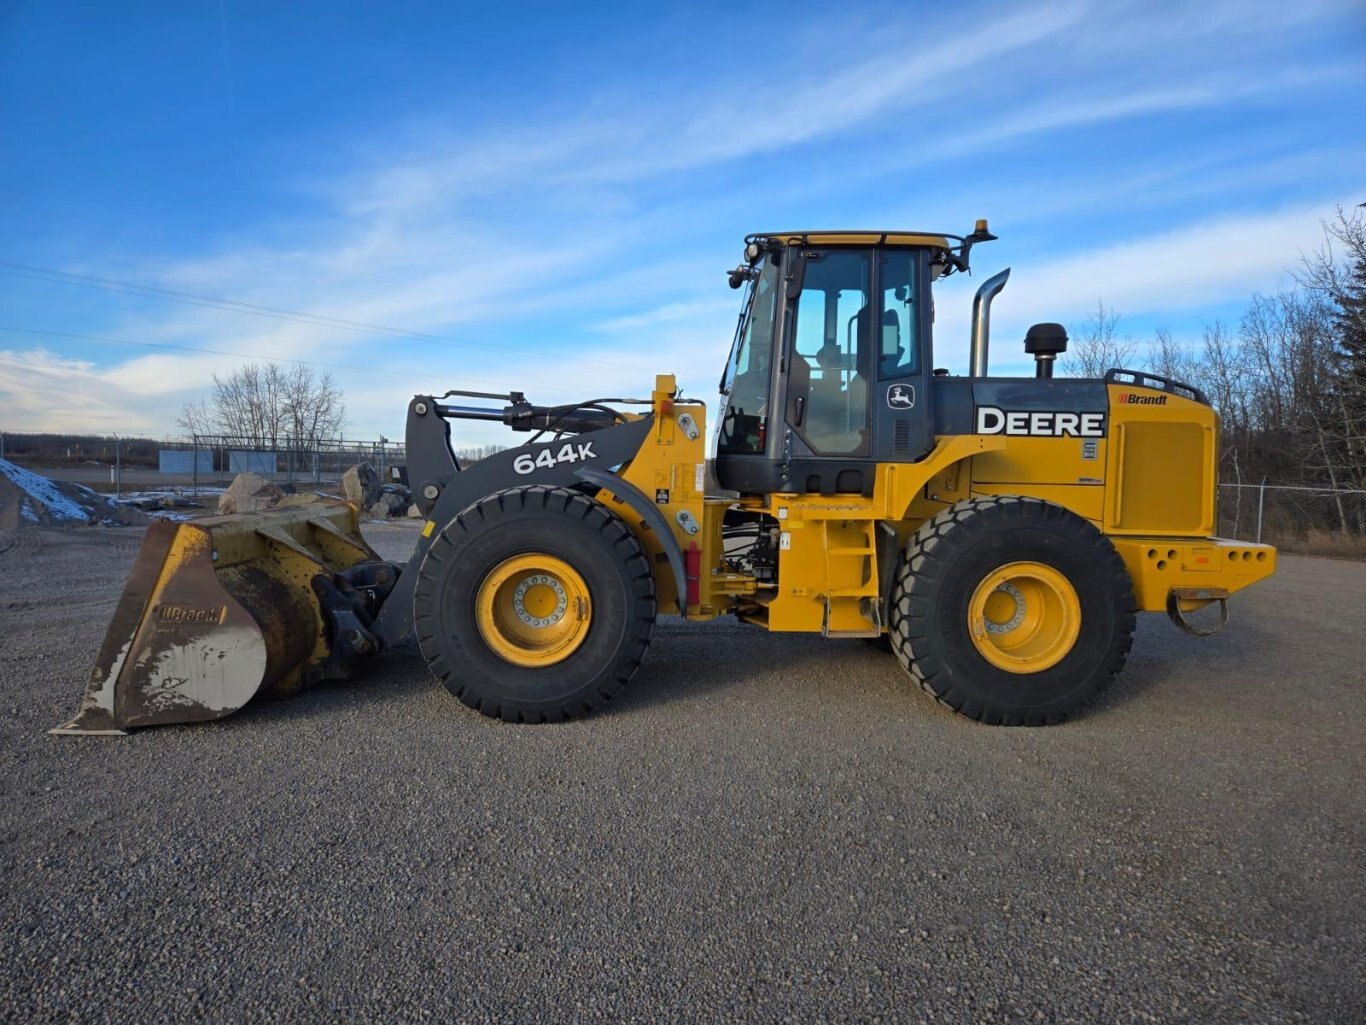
{"points": [[547, 197]]}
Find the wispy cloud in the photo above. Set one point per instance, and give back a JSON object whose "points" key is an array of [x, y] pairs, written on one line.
{"points": [[1165, 274], [624, 140], [32, 380]]}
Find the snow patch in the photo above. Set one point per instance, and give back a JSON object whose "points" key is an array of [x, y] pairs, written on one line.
{"points": [[45, 492], [30, 498]]}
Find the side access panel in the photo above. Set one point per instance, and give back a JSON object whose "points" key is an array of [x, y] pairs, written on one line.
{"points": [[1161, 464]]}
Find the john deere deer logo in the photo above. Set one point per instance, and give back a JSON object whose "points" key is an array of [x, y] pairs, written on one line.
{"points": [[901, 396]]}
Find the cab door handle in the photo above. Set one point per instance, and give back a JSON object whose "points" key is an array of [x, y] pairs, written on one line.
{"points": [[801, 411]]}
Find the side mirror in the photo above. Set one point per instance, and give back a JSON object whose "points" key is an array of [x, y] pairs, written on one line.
{"points": [[796, 271]]}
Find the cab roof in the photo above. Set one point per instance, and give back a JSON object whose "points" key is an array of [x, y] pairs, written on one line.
{"points": [[853, 237]]}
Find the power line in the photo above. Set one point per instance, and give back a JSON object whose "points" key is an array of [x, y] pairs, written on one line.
{"points": [[408, 374], [59, 277]]}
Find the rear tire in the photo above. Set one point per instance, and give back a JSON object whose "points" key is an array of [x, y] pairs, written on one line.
{"points": [[1012, 611], [535, 604]]}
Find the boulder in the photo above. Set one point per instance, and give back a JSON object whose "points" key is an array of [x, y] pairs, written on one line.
{"points": [[393, 500], [249, 492], [414, 513], [361, 485]]}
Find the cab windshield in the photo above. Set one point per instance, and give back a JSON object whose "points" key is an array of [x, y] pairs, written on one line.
{"points": [[748, 375]]}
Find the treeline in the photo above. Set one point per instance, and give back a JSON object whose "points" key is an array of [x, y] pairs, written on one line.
{"points": [[1289, 380], [70, 449], [474, 453]]}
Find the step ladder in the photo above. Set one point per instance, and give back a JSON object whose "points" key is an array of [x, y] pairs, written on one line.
{"points": [[865, 593]]}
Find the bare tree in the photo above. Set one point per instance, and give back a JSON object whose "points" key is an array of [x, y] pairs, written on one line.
{"points": [[1221, 372], [1096, 345], [197, 418], [1337, 269], [1297, 371], [264, 405], [314, 407], [1336, 273], [1170, 359]]}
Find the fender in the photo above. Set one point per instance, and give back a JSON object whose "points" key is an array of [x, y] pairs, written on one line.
{"points": [[457, 489], [649, 512], [899, 484]]}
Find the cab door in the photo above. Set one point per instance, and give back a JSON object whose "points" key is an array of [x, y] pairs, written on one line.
{"points": [[899, 401], [831, 355]]}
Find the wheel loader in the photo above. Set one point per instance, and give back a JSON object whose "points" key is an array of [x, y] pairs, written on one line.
{"points": [[997, 534]]}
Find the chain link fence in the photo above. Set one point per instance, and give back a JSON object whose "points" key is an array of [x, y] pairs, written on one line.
{"points": [[1312, 521], [117, 463], [219, 458]]}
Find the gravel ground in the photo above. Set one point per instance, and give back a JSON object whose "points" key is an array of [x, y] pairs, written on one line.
{"points": [[763, 828]]}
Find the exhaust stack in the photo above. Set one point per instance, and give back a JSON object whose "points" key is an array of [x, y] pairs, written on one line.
{"points": [[981, 321]]}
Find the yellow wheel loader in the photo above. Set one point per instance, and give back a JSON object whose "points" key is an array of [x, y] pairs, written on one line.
{"points": [[997, 534]]}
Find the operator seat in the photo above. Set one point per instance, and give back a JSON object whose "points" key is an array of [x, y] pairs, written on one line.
{"points": [[837, 421]]}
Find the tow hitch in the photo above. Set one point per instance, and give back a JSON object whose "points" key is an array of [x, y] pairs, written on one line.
{"points": [[1181, 600]]}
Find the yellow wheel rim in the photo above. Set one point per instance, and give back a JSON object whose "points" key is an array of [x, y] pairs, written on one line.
{"points": [[1024, 617], [533, 610]]}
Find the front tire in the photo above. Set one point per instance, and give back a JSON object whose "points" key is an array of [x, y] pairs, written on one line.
{"points": [[1012, 611], [535, 604]]}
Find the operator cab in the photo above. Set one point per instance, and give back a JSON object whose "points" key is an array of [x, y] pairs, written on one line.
{"points": [[827, 375]]}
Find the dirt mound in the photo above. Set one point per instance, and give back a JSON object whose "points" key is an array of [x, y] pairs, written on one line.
{"points": [[28, 499]]}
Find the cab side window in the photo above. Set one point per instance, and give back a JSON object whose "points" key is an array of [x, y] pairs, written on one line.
{"points": [[898, 341]]}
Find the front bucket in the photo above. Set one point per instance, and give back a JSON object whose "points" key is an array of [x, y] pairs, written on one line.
{"points": [[219, 610]]}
